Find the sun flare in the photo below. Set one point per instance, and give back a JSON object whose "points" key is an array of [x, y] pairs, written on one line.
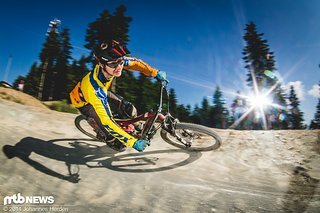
{"points": [[259, 101]]}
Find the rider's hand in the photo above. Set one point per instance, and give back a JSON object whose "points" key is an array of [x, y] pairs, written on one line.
{"points": [[140, 145], [162, 76]]}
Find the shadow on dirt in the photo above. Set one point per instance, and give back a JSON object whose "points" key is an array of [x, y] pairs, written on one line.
{"points": [[146, 161], [302, 187], [86, 152], [301, 191], [80, 153]]}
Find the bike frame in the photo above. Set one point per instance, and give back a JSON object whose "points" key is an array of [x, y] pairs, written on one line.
{"points": [[150, 118], [182, 132], [143, 117]]}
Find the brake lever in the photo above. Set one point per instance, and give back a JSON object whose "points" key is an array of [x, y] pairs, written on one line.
{"points": [[165, 84]]}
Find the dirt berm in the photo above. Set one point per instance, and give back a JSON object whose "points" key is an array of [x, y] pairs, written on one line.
{"points": [[253, 171]]}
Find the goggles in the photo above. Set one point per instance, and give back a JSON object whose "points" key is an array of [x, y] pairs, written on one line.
{"points": [[115, 64]]}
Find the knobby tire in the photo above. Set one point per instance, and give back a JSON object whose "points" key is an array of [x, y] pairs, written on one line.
{"points": [[193, 127], [77, 121]]}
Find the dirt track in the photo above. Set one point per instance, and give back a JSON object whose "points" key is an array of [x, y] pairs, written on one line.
{"points": [[253, 171]]}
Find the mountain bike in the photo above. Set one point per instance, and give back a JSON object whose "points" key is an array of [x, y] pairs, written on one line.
{"points": [[186, 136]]}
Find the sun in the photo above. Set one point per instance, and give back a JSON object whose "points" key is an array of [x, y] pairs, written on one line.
{"points": [[259, 101]]}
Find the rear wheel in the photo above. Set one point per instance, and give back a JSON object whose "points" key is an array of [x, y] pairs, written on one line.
{"points": [[82, 124], [199, 137]]}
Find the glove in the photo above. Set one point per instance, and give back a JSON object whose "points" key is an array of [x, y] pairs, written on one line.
{"points": [[162, 76], [140, 145]]}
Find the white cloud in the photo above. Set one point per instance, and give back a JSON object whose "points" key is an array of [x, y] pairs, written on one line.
{"points": [[298, 88], [315, 91]]}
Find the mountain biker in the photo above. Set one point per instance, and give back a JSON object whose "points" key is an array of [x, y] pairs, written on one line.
{"points": [[91, 96]]}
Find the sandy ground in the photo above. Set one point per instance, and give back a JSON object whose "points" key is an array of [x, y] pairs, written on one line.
{"points": [[253, 171]]}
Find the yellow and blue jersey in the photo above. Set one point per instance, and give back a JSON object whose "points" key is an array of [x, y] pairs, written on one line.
{"points": [[92, 89]]}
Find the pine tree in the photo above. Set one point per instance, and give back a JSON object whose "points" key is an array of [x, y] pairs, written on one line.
{"points": [[62, 67], [184, 113], [204, 112], [120, 25], [32, 80], [258, 58], [108, 27], [218, 113], [105, 28], [41, 80], [196, 115], [48, 58], [127, 86], [147, 94], [281, 119], [99, 31], [173, 103], [77, 71], [315, 123], [296, 116], [261, 77]]}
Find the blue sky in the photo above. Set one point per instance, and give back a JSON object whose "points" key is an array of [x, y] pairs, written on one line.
{"points": [[199, 43]]}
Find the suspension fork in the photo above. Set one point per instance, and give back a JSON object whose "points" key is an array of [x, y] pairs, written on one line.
{"points": [[181, 140], [169, 125]]}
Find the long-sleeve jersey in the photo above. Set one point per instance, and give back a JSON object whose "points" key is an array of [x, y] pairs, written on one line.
{"points": [[92, 89]]}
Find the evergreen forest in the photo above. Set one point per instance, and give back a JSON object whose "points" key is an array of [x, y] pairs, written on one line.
{"points": [[56, 72]]}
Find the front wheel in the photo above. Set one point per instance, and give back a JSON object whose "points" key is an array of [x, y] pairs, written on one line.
{"points": [[198, 137]]}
